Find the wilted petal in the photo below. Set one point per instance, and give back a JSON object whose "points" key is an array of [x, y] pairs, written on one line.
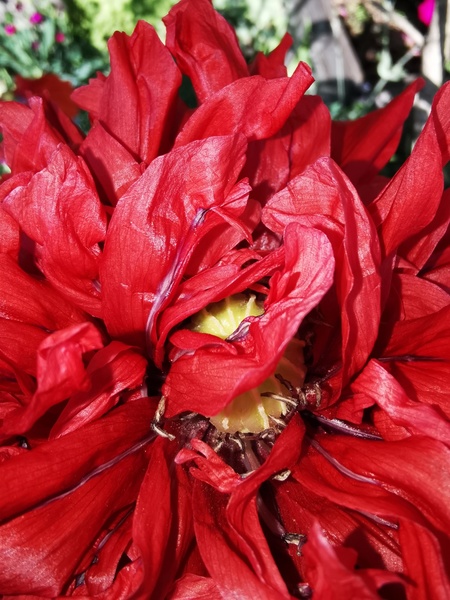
{"points": [[425, 564], [386, 392], [410, 467], [223, 559], [46, 544], [419, 248], [54, 467], [304, 138], [162, 523]]}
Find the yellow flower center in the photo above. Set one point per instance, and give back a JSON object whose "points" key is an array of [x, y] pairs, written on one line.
{"points": [[251, 412]]}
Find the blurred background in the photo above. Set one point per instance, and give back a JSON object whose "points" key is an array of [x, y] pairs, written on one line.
{"points": [[363, 52]]}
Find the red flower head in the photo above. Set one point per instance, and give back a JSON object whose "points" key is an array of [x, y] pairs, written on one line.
{"points": [[224, 335]]}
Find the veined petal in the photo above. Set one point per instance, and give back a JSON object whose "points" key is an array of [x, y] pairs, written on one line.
{"points": [[162, 523], [113, 369], [46, 544], [222, 557], [112, 165], [28, 300], [194, 586], [386, 392], [305, 137], [52, 468], [424, 563], [157, 225]]}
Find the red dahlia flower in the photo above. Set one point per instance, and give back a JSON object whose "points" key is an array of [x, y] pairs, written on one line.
{"points": [[225, 336]]}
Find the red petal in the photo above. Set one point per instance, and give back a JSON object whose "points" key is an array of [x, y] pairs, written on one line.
{"points": [[223, 558], [49, 86], [60, 211], [252, 106], [29, 139], [138, 95], [406, 206], [9, 235], [272, 65], [385, 391], [427, 337], [33, 301], [410, 467], [424, 563], [410, 298], [89, 97], [205, 46], [156, 226], [331, 575], [112, 165], [15, 118], [60, 373], [364, 146], [46, 544], [300, 509], [207, 379], [19, 343], [112, 370], [54, 467], [162, 524], [323, 198], [194, 586], [426, 382], [418, 249], [303, 139]]}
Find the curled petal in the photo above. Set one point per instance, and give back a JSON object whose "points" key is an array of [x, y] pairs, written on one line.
{"points": [[60, 373], [207, 377], [322, 197]]}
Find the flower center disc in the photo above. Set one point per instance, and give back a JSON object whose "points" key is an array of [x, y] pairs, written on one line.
{"points": [[251, 412]]}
